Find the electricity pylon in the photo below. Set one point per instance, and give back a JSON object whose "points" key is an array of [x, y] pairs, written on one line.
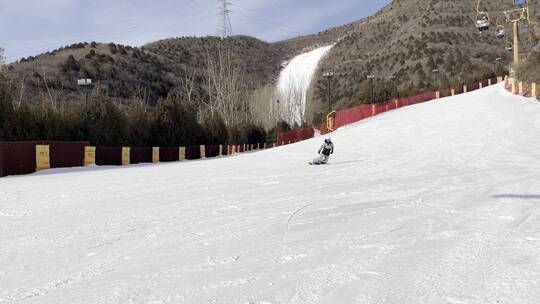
{"points": [[225, 28]]}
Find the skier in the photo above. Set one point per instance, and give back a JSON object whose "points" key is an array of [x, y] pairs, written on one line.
{"points": [[324, 153]]}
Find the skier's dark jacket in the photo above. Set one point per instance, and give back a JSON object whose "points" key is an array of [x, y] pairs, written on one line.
{"points": [[327, 149]]}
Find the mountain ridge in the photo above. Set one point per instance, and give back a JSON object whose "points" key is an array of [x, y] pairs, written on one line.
{"points": [[406, 38]]}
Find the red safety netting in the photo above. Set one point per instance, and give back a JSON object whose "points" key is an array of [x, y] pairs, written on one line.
{"points": [[17, 158], [140, 155], [295, 135], [168, 154], [108, 156], [527, 89], [20, 157], [212, 150], [352, 115], [473, 87]]}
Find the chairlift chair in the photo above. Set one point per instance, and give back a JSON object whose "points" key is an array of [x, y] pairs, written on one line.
{"points": [[482, 22], [500, 33], [509, 46], [482, 18]]}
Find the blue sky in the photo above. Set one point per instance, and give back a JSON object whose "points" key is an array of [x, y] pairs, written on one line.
{"points": [[30, 27]]}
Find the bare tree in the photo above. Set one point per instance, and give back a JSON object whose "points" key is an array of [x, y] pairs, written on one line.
{"points": [[188, 84], [18, 103], [227, 89], [264, 107], [292, 97], [52, 95]]}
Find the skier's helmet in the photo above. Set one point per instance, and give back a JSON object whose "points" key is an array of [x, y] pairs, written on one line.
{"points": [[328, 140]]}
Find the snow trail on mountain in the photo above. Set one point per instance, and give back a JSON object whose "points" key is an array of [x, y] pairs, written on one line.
{"points": [[294, 82]]}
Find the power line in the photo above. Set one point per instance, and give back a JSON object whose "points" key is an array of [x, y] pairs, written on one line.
{"points": [[225, 27]]}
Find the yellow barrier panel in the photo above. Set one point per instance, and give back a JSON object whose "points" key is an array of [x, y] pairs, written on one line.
{"points": [[126, 159], [182, 153], [480, 85], [464, 89], [43, 157], [437, 95], [155, 154], [520, 85], [499, 79], [514, 86], [452, 92], [533, 90], [203, 151], [89, 156]]}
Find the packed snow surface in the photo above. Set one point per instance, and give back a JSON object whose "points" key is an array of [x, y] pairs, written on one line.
{"points": [[432, 203], [294, 82]]}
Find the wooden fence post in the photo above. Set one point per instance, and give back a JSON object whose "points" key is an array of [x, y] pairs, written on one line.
{"points": [[89, 156], [203, 151], [155, 154], [43, 157], [182, 153], [126, 156], [452, 92]]}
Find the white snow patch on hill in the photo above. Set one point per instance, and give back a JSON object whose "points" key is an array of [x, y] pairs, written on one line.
{"points": [[294, 82]]}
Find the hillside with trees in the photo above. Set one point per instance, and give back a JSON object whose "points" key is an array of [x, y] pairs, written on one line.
{"points": [[409, 39], [229, 81]]}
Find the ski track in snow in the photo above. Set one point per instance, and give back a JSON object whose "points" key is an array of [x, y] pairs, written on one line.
{"points": [[433, 203]]}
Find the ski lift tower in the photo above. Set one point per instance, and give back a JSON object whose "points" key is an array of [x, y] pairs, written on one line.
{"points": [[517, 15]]}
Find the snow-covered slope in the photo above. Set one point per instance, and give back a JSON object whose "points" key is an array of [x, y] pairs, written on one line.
{"points": [[294, 82], [433, 203]]}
